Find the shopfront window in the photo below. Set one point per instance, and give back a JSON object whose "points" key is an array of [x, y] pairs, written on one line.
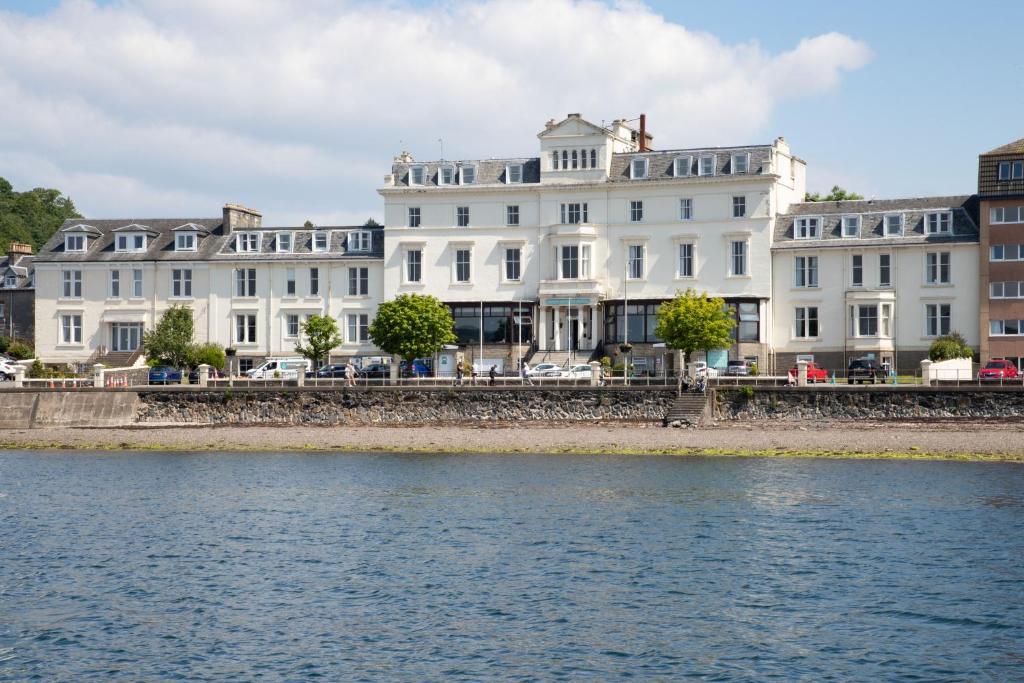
{"points": [[502, 324]]}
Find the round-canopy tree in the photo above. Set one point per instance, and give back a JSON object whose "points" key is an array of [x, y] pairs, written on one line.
{"points": [[950, 346], [694, 322], [412, 326], [322, 335], [170, 342]]}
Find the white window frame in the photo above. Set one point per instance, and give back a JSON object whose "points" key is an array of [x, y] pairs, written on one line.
{"points": [[250, 324], [472, 175], [581, 210], [285, 242], [680, 274], [422, 172], [845, 222], [714, 165], [290, 318], [359, 241], [452, 175], [510, 210], [682, 166], [76, 243], [130, 243], [943, 222], [886, 230], [407, 265], [744, 254], [319, 235], [855, 270], [802, 324], [248, 242], [802, 228], [638, 168], [636, 211], [358, 282], [745, 156], [459, 211], [414, 217], [114, 284], [937, 319], [636, 261], [938, 280], [505, 262], [314, 279], [70, 333], [518, 172], [686, 208], [181, 283], [739, 201], [999, 215], [185, 241], [248, 284], [805, 271], [71, 284], [357, 328], [884, 284], [456, 250], [291, 283], [138, 284]]}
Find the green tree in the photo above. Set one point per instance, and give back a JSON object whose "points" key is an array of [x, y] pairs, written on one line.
{"points": [[412, 326], [370, 223], [31, 216], [206, 354], [694, 322], [170, 343], [837, 194], [950, 346], [322, 335]]}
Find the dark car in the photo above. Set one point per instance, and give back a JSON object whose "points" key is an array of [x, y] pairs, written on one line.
{"points": [[375, 371], [333, 371], [164, 374], [193, 376], [865, 370], [420, 368]]}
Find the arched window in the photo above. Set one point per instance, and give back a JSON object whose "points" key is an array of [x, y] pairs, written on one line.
{"points": [[593, 158], [575, 161], [565, 159], [554, 160], [583, 158]]}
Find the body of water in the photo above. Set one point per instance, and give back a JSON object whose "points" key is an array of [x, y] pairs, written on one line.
{"points": [[162, 566]]}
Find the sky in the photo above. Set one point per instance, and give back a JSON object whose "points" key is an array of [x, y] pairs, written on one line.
{"points": [[171, 108]]}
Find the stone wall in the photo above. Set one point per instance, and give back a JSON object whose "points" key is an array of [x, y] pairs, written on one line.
{"points": [[402, 406], [867, 403]]}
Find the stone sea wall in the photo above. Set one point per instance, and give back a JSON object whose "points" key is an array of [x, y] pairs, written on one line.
{"points": [[398, 406]]}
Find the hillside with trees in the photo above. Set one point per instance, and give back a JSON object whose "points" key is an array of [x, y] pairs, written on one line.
{"points": [[31, 216]]}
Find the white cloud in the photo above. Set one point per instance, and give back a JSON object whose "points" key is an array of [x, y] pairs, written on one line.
{"points": [[298, 107]]}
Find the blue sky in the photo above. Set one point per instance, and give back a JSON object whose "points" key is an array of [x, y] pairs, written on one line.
{"points": [[122, 115]]}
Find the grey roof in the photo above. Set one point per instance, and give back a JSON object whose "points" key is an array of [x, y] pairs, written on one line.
{"points": [[214, 246], [660, 164], [872, 213], [20, 265], [488, 171]]}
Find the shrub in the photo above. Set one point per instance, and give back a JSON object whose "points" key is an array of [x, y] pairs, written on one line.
{"points": [[20, 351], [950, 346], [606, 361], [5, 342], [37, 370], [210, 354], [753, 369], [746, 392]]}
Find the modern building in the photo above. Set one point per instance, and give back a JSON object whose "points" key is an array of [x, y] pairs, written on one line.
{"points": [[17, 293], [1001, 197], [573, 249], [100, 283], [873, 278]]}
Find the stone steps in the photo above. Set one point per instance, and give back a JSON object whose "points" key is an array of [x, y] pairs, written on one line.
{"points": [[687, 410]]}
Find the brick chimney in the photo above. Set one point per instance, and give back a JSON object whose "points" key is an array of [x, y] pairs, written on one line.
{"points": [[238, 217], [16, 250], [643, 132]]}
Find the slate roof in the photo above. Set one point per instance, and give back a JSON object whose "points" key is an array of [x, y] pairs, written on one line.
{"points": [[872, 213], [1015, 147], [215, 246], [660, 164], [21, 265], [488, 171]]}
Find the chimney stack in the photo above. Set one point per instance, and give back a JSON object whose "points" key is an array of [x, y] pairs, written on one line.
{"points": [[238, 217], [17, 249], [643, 132]]}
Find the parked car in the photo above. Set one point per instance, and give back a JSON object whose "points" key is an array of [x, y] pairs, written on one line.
{"points": [[814, 373], [581, 371], [545, 370], [998, 369], [164, 374], [193, 376], [701, 369], [6, 369], [375, 371], [420, 368], [739, 368], [335, 371], [864, 370]]}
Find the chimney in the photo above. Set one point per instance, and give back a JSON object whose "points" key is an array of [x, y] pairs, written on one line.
{"points": [[404, 158], [17, 249], [550, 124], [643, 132], [238, 217]]}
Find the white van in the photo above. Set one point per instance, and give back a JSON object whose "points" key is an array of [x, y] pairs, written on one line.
{"points": [[281, 368]]}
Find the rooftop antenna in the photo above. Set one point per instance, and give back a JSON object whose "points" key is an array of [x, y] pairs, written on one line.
{"points": [[440, 141]]}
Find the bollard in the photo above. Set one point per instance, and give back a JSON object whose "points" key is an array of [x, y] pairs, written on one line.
{"points": [[926, 366], [204, 375], [19, 376], [97, 376], [801, 373], [595, 373]]}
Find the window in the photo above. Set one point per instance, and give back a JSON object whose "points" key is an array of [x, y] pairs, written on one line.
{"points": [[706, 165], [1006, 214], [245, 328], [320, 241], [574, 213], [857, 270], [681, 166], [115, 284], [72, 284], [1006, 252], [446, 175], [414, 216], [638, 169], [554, 160], [565, 159], [886, 317], [636, 211], [181, 282], [1006, 290], [416, 175], [71, 329], [1011, 170], [11, 281], [749, 318], [74, 243], [851, 226], [247, 242], [245, 282], [413, 265], [514, 173], [740, 163], [894, 224], [738, 258], [314, 282], [185, 241], [636, 262], [359, 240], [739, 207], [462, 265], [806, 270], [937, 317], [867, 320], [468, 174], [937, 267], [512, 214], [358, 327], [574, 262], [884, 270], [807, 228], [130, 243], [513, 264], [291, 325], [805, 322], [462, 216], [575, 159], [685, 209], [938, 223], [593, 158], [137, 283], [358, 281], [284, 242], [685, 260], [1001, 328], [289, 282]]}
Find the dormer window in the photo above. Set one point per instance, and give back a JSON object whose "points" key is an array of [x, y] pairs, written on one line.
{"points": [[74, 242], [706, 165], [185, 241], [638, 169], [416, 175], [1011, 170], [359, 240], [851, 226], [248, 242], [514, 174], [10, 281], [894, 225], [284, 242], [130, 243], [938, 223], [740, 163], [467, 175], [681, 166], [320, 241], [807, 228], [446, 175]]}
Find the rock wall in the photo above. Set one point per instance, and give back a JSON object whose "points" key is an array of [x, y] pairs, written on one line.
{"points": [[398, 406]]}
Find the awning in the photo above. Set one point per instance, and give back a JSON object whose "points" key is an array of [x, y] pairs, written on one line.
{"points": [[124, 316]]}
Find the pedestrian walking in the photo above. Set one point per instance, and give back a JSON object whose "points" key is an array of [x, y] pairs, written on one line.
{"points": [[458, 374], [350, 375], [524, 373], [493, 374]]}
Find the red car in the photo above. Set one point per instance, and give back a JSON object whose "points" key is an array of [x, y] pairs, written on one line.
{"points": [[998, 369], [814, 373]]}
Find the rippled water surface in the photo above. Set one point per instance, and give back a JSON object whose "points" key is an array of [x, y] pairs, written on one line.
{"points": [[427, 567]]}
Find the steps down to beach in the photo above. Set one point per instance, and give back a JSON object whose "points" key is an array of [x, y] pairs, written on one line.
{"points": [[561, 358], [116, 359], [687, 410]]}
